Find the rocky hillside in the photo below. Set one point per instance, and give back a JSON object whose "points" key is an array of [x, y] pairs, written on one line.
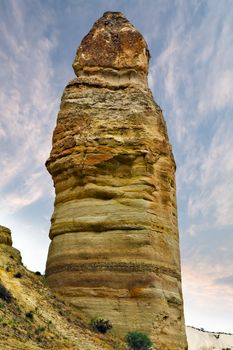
{"points": [[32, 317]]}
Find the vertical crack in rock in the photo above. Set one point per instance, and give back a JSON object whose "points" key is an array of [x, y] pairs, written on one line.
{"points": [[115, 248]]}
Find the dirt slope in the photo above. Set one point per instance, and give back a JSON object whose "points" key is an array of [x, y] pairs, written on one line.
{"points": [[34, 318]]}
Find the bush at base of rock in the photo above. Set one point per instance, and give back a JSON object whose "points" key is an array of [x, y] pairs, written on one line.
{"points": [[138, 341], [18, 275], [100, 325], [5, 294], [29, 315]]}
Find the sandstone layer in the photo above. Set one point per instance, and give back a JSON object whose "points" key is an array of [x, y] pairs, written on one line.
{"points": [[115, 247]]}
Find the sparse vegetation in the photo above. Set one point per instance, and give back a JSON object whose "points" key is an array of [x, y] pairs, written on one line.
{"points": [[18, 275], [5, 294], [38, 273], [138, 341], [29, 315], [100, 325], [40, 330]]}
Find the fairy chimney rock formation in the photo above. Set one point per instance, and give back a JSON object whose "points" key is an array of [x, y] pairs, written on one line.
{"points": [[114, 248]]}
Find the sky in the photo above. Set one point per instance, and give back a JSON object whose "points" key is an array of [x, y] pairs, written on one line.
{"points": [[191, 77]]}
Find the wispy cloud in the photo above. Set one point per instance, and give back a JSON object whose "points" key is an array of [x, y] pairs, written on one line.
{"points": [[208, 299], [227, 281], [28, 103], [214, 184], [32, 188], [195, 76], [196, 65]]}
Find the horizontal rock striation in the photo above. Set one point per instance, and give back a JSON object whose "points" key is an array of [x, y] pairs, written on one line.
{"points": [[115, 247]]}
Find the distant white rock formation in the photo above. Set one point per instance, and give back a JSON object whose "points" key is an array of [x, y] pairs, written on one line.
{"points": [[198, 339]]}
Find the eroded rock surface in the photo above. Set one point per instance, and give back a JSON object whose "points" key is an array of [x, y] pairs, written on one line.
{"points": [[5, 236], [115, 247], [6, 248]]}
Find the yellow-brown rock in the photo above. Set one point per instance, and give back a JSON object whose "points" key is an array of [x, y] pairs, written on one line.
{"points": [[115, 246], [53, 324], [6, 248], [5, 236]]}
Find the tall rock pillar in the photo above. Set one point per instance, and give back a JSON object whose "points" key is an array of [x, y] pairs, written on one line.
{"points": [[115, 246]]}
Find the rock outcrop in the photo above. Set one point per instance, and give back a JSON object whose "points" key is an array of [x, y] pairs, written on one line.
{"points": [[32, 318], [6, 248], [115, 247], [5, 236]]}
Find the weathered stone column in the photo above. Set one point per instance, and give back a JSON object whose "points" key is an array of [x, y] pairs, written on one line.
{"points": [[115, 246]]}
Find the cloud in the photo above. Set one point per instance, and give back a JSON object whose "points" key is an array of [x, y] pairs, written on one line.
{"points": [[197, 80], [2, 134], [32, 188], [217, 56], [28, 104], [208, 302], [194, 76], [204, 275], [222, 90], [214, 183], [228, 281]]}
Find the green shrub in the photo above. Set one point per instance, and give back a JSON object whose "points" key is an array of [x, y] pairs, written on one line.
{"points": [[18, 275], [38, 273], [5, 294], [138, 341], [100, 325], [29, 315], [40, 330]]}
